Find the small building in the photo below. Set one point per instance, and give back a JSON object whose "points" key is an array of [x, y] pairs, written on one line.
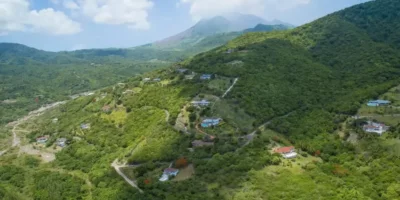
{"points": [[146, 79], [182, 70], [168, 173], [42, 139], [200, 143], [377, 103], [205, 77], [106, 108], [372, 127], [85, 126], [202, 103], [229, 51], [210, 122], [61, 142], [287, 152], [189, 77], [55, 120], [157, 79]]}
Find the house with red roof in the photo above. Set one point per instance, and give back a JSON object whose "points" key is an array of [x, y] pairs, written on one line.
{"points": [[287, 152]]}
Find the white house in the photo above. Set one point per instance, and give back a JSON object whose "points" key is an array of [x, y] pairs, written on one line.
{"points": [[201, 103], [373, 127], [168, 173]]}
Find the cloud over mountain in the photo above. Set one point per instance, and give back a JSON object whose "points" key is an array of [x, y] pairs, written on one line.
{"points": [[207, 8]]}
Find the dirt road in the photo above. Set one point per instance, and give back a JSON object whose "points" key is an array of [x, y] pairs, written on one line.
{"points": [[117, 168]]}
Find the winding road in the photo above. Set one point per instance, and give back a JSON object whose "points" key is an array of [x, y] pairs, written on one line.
{"points": [[118, 167]]}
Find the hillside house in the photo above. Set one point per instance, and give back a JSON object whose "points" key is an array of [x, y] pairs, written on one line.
{"points": [[377, 103], [201, 103], [42, 139], [168, 173], [61, 142], [372, 127], [205, 77], [210, 122], [200, 143], [157, 79], [85, 126], [106, 108], [229, 51], [146, 79], [287, 152], [182, 70]]}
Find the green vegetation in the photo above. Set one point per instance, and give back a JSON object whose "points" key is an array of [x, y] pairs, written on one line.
{"points": [[299, 87]]}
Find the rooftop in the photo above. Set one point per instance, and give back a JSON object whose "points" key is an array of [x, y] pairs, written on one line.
{"points": [[284, 150]]}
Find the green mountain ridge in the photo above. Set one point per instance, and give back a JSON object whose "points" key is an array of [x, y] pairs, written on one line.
{"points": [[298, 87]]}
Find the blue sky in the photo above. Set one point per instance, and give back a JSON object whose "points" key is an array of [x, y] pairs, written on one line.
{"points": [[56, 25]]}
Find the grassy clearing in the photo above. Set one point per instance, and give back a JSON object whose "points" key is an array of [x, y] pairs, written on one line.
{"points": [[233, 115], [220, 84], [185, 173]]}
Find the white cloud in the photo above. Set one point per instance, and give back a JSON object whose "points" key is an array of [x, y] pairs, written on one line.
{"points": [[132, 13], [208, 8], [15, 15], [69, 4]]}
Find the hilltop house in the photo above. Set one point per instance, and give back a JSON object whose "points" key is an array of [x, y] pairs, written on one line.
{"points": [[287, 152], [85, 126], [205, 77], [372, 127], [200, 143], [201, 103], [42, 139], [210, 122], [61, 142], [377, 103], [168, 173]]}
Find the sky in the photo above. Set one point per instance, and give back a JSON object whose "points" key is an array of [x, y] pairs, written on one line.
{"points": [[59, 25]]}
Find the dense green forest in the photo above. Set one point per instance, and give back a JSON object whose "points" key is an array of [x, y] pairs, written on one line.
{"points": [[298, 87]]}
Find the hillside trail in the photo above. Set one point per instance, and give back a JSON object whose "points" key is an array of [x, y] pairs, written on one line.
{"points": [[230, 88], [250, 137], [118, 167]]}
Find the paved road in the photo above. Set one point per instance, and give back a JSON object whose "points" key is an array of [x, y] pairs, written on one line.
{"points": [[117, 168], [230, 88]]}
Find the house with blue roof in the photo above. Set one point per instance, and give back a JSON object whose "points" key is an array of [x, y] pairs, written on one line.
{"points": [[210, 122], [205, 77], [377, 103]]}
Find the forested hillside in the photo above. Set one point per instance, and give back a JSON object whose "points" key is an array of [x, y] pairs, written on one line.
{"points": [[300, 88]]}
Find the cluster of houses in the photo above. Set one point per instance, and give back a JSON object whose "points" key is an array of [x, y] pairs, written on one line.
{"points": [[61, 142], [210, 122], [373, 127], [377, 103], [168, 172], [287, 152]]}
